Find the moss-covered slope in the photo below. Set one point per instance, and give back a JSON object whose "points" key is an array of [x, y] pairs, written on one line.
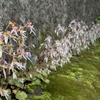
{"points": [[78, 80]]}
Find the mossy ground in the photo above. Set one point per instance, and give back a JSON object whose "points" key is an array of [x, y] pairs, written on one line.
{"points": [[78, 80]]}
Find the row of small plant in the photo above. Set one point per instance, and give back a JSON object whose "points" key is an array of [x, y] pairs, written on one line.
{"points": [[18, 74], [78, 37]]}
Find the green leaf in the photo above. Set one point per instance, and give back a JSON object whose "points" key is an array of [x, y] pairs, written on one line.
{"points": [[9, 91], [39, 76], [11, 81], [47, 81], [30, 89], [44, 74], [14, 91], [36, 82], [20, 95], [18, 84]]}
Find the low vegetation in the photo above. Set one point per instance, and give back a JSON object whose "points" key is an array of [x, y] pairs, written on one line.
{"points": [[22, 71]]}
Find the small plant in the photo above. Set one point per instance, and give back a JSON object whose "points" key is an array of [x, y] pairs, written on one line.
{"points": [[18, 74], [57, 52], [13, 52]]}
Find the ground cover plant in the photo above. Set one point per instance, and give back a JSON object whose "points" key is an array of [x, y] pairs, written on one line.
{"points": [[19, 75], [14, 56], [78, 80]]}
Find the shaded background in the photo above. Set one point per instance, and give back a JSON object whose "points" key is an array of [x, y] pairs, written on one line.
{"points": [[45, 13]]}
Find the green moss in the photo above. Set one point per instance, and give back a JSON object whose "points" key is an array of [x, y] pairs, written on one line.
{"points": [[44, 96], [78, 80]]}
